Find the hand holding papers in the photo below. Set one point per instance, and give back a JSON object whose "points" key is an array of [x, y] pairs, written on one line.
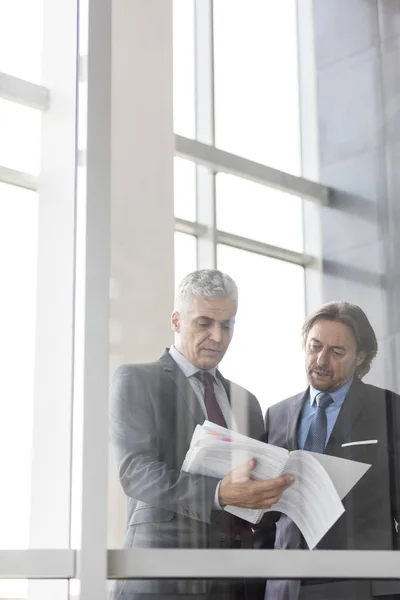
{"points": [[313, 501]]}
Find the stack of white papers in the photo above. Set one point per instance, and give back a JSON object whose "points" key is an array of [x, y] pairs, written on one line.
{"points": [[313, 501]]}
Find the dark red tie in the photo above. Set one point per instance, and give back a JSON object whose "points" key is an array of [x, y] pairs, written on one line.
{"points": [[214, 413]]}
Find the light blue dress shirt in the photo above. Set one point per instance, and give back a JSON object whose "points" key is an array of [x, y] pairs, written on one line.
{"points": [[332, 412]]}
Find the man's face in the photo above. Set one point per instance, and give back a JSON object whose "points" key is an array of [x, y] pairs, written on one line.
{"points": [[205, 330], [331, 355]]}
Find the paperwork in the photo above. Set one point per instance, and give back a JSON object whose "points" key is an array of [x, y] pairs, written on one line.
{"points": [[313, 501]]}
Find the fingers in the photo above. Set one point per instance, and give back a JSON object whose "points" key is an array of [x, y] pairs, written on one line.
{"points": [[242, 473], [274, 485], [267, 493]]}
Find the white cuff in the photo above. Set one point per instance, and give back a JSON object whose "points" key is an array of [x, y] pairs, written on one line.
{"points": [[217, 505]]}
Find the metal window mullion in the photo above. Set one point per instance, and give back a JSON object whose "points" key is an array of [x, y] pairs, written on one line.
{"points": [[18, 178], [49, 525], [312, 233], [92, 558], [206, 154], [190, 227], [37, 564], [204, 118], [24, 92], [243, 243], [260, 564], [276, 252]]}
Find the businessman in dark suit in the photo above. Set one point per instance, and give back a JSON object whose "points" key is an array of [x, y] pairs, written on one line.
{"points": [[340, 415], [154, 410]]}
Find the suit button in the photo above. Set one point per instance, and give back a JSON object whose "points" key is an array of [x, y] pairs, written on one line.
{"points": [[299, 547]]}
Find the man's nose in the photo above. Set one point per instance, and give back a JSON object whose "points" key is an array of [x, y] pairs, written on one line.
{"points": [[216, 333], [322, 357]]}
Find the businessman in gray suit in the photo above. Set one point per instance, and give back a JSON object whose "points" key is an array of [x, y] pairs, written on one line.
{"points": [[155, 408], [340, 415]]}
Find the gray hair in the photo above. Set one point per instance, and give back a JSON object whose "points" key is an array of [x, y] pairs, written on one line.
{"points": [[206, 283], [355, 318]]}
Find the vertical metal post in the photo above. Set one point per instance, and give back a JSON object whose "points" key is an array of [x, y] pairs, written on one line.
{"points": [[52, 415], [309, 148], [92, 561], [205, 130]]}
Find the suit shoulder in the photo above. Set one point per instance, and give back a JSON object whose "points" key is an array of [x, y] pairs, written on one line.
{"points": [[284, 405], [131, 370], [377, 393]]}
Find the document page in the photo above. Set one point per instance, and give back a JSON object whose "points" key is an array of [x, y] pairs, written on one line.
{"points": [[219, 458], [343, 473], [312, 501], [216, 451]]}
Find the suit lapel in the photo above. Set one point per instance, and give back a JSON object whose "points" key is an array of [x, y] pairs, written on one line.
{"points": [[348, 416], [185, 390], [294, 419]]}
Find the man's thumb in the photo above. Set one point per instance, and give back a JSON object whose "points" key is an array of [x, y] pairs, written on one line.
{"points": [[252, 463], [242, 472]]}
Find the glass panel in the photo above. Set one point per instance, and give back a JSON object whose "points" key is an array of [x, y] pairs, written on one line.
{"points": [[13, 588], [18, 261], [21, 30], [19, 137], [185, 189], [258, 212], [18, 589], [185, 255], [267, 331], [18, 258], [184, 78], [256, 81]]}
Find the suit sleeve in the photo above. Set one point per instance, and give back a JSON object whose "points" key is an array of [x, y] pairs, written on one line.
{"points": [[393, 407], [135, 438]]}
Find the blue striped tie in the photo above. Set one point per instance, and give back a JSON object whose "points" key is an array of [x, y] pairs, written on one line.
{"points": [[316, 438]]}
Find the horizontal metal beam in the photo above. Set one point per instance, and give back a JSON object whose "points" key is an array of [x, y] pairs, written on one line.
{"points": [[213, 564], [221, 161], [190, 227], [18, 178], [230, 564], [24, 92], [37, 564], [236, 241]]}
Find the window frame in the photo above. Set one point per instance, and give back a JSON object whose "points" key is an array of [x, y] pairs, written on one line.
{"points": [[93, 564]]}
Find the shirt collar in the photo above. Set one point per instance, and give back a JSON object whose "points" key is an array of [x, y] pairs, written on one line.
{"points": [[188, 369], [338, 396]]}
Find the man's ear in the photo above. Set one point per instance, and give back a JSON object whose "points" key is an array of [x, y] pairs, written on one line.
{"points": [[361, 356], [176, 321]]}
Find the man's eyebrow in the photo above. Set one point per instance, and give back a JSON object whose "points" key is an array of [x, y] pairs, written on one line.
{"points": [[230, 321], [205, 318]]}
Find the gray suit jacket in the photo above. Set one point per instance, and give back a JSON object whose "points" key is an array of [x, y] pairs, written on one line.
{"points": [[154, 412], [368, 523]]}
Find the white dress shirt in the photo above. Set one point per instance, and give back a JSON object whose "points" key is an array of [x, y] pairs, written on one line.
{"points": [[222, 398]]}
